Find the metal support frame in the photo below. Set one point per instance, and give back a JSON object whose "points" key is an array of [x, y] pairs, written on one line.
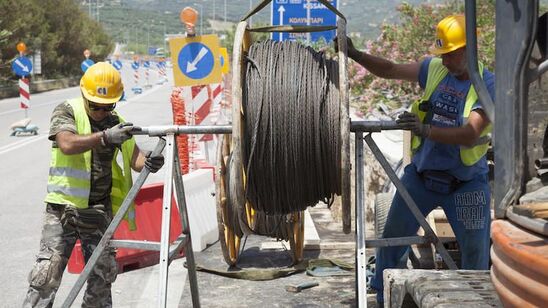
{"points": [[359, 127], [173, 181]]}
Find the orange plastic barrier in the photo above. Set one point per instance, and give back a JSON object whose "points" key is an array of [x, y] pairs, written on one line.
{"points": [[179, 118], [520, 265], [148, 207]]}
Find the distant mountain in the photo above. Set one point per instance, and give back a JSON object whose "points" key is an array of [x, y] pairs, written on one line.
{"points": [[144, 22], [139, 20]]}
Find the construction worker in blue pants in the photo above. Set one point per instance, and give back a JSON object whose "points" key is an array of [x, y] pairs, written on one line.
{"points": [[467, 211], [450, 137]]}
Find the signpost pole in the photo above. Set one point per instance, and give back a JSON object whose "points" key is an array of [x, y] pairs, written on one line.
{"points": [[308, 35], [22, 67], [24, 94]]}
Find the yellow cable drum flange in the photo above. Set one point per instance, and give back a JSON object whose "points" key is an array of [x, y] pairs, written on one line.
{"points": [[236, 216]]}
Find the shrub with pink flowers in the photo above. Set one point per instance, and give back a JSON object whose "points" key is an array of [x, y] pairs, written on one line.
{"points": [[409, 41]]}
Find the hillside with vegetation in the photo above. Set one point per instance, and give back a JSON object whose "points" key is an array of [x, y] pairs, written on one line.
{"points": [[142, 23], [62, 29]]}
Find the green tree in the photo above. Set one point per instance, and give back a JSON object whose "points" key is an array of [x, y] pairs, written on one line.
{"points": [[58, 29]]}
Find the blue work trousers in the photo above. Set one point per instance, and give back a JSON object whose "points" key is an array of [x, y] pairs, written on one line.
{"points": [[467, 210]]}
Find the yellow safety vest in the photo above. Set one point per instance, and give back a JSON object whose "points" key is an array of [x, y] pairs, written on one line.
{"points": [[69, 180], [436, 73]]}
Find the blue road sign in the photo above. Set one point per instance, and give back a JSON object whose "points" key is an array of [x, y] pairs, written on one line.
{"points": [[117, 64], [21, 66], [146, 64], [135, 65], [294, 12], [161, 64], [86, 64], [196, 60], [152, 51]]}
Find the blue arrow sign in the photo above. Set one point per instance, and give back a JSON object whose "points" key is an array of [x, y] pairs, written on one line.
{"points": [[21, 66], [152, 50], [160, 64], [117, 64], [294, 12], [135, 65], [86, 64], [146, 64], [196, 60]]}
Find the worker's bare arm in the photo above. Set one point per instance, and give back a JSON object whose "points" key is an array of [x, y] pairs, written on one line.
{"points": [[138, 159], [466, 135], [385, 68], [71, 143]]}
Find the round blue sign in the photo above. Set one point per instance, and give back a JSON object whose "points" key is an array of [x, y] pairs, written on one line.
{"points": [[196, 60], [135, 65], [21, 66], [86, 64], [117, 64], [146, 64]]}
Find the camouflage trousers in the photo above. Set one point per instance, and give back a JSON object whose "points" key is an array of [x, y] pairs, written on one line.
{"points": [[59, 234]]}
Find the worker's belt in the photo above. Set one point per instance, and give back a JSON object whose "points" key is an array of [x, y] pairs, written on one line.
{"points": [[85, 220], [440, 181]]}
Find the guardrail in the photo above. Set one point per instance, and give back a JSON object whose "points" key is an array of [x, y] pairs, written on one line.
{"points": [[38, 86]]}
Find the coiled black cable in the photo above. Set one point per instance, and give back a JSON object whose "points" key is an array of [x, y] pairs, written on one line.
{"points": [[291, 135]]}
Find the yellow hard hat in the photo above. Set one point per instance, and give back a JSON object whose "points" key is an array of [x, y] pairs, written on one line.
{"points": [[102, 84], [450, 35]]}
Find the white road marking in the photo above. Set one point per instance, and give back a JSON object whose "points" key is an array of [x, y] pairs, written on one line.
{"points": [[16, 145], [13, 146]]}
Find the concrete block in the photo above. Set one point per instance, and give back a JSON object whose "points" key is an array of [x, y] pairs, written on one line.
{"points": [[433, 288], [201, 208]]}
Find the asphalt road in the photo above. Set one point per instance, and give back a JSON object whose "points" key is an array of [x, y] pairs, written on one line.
{"points": [[24, 163]]}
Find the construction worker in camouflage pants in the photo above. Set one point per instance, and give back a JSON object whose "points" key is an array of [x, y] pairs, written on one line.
{"points": [[86, 186]]}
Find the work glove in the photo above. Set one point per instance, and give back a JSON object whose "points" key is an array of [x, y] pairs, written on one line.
{"points": [[154, 162], [410, 121], [351, 50], [116, 135]]}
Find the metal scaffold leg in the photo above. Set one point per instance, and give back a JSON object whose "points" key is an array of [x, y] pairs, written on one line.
{"points": [[359, 127], [168, 251]]}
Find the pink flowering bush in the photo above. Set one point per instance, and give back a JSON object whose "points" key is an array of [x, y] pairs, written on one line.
{"points": [[410, 41]]}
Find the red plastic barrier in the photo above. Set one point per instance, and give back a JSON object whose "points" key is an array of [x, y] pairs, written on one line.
{"points": [[148, 206]]}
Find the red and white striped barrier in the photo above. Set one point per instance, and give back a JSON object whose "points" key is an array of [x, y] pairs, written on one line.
{"points": [[162, 73], [24, 93], [136, 77]]}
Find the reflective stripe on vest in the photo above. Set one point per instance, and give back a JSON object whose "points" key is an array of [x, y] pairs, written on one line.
{"points": [[436, 73], [69, 175]]}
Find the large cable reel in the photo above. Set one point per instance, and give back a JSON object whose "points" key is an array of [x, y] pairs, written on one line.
{"points": [[236, 215]]}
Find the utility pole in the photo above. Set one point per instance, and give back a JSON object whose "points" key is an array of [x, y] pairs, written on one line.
{"points": [[164, 38], [250, 18], [225, 10], [201, 17]]}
